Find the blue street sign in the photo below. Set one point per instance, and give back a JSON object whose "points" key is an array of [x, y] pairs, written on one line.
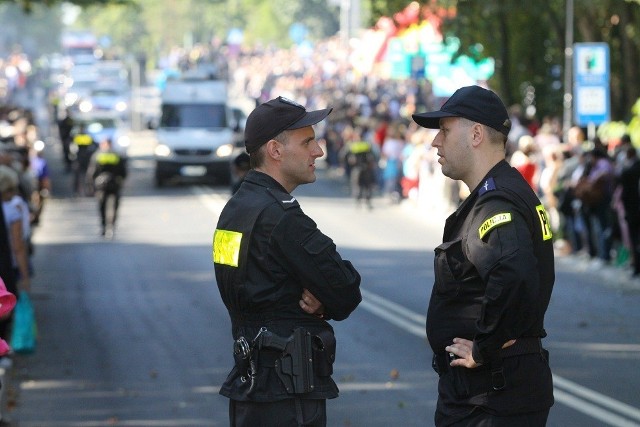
{"points": [[591, 93]]}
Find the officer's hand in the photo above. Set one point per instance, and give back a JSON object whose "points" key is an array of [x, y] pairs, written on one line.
{"points": [[310, 304], [462, 350]]}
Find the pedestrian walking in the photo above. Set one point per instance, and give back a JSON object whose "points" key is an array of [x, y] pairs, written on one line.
{"points": [[65, 128], [494, 273], [362, 162], [83, 147], [107, 171], [280, 278]]}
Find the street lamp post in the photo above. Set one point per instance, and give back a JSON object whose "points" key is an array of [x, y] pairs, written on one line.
{"points": [[568, 71]]}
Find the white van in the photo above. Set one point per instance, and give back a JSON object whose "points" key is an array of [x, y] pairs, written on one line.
{"points": [[198, 132]]}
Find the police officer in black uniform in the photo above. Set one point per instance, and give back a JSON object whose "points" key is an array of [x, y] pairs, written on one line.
{"points": [[494, 273], [280, 278], [83, 146], [107, 171]]}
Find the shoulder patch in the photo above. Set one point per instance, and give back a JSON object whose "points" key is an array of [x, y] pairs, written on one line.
{"points": [[285, 200], [226, 247], [545, 224], [488, 185], [493, 222]]}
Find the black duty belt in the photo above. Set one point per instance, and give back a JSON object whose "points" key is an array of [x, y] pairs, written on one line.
{"points": [[523, 345]]}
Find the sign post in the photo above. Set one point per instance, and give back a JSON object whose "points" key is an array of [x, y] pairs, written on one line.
{"points": [[591, 91]]}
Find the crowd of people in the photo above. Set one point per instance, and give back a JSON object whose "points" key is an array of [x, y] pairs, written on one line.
{"points": [[375, 112], [24, 185], [590, 189]]}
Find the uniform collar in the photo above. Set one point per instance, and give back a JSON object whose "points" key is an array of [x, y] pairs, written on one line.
{"points": [[263, 180], [481, 188]]}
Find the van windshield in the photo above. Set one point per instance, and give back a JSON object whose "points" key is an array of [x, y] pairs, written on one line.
{"points": [[194, 116]]}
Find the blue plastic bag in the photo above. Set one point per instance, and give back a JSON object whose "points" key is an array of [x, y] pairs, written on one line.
{"points": [[23, 334]]}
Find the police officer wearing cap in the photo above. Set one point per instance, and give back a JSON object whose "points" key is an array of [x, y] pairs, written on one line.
{"points": [[494, 273], [280, 278]]}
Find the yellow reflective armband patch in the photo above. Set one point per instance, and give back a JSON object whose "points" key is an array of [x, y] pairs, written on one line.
{"points": [[493, 222], [544, 222], [107, 158], [226, 247]]}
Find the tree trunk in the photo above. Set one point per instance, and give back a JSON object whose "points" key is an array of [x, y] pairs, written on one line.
{"points": [[505, 58], [630, 89]]}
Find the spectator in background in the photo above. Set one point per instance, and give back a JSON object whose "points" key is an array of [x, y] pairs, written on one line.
{"points": [[19, 276], [595, 190], [567, 203], [239, 169], [548, 184], [391, 162], [517, 130], [629, 182], [40, 170], [546, 136], [6, 263], [524, 160]]}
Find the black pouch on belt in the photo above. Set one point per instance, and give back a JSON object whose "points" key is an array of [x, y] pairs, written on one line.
{"points": [[324, 353], [295, 367]]}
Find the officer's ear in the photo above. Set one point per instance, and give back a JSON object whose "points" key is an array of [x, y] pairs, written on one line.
{"points": [[274, 149], [477, 134]]}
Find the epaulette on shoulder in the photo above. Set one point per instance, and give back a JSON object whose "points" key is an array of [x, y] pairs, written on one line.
{"points": [[488, 185], [285, 200]]}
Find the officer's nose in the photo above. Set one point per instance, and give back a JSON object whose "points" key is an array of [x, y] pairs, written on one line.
{"points": [[317, 149], [437, 140]]}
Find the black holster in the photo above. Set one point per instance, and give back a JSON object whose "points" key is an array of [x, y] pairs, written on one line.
{"points": [[295, 365]]}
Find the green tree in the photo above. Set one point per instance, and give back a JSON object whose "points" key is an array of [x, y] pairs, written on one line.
{"points": [[29, 5], [527, 40]]}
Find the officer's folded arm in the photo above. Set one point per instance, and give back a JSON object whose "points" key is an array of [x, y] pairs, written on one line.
{"points": [[312, 256]]}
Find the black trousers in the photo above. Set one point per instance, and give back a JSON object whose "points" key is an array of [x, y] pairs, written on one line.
{"points": [[283, 413], [480, 418], [107, 218]]}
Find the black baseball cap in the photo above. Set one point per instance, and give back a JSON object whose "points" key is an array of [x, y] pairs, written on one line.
{"points": [[275, 116], [473, 103]]}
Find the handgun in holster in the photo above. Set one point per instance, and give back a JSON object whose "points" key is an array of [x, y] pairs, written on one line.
{"points": [[295, 366]]}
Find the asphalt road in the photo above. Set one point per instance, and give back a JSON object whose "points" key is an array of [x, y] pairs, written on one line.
{"points": [[132, 331]]}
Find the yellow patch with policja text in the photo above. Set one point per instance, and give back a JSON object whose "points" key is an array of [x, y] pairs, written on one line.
{"points": [[493, 222]]}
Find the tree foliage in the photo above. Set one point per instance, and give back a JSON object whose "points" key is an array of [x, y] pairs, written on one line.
{"points": [[527, 40], [525, 37], [29, 5]]}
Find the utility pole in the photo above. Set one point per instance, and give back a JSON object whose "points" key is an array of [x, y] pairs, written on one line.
{"points": [[568, 71]]}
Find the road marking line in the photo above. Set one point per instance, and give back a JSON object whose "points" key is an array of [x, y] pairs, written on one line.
{"points": [[596, 397], [414, 323], [580, 405]]}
